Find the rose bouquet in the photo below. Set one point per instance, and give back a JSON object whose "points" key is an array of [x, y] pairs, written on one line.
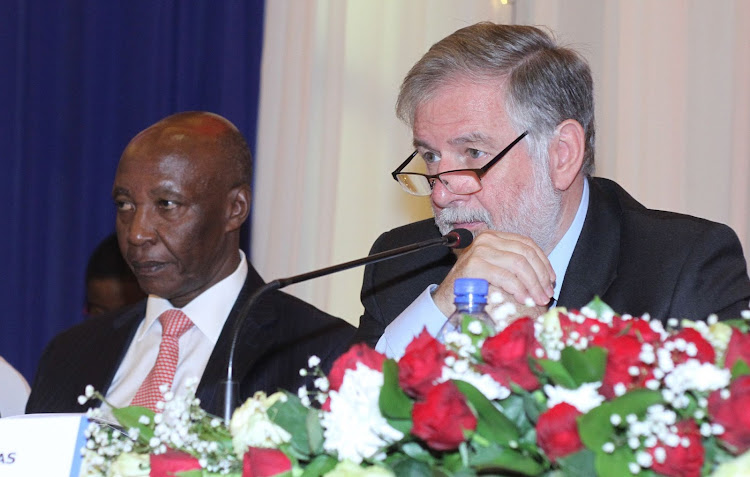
{"points": [[570, 393]]}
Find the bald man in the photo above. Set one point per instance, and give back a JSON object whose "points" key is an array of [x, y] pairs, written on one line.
{"points": [[182, 192]]}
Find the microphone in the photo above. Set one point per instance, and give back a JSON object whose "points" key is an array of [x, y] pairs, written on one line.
{"points": [[456, 239]]}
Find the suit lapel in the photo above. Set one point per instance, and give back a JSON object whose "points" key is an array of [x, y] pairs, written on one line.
{"points": [[600, 243], [110, 352], [252, 344]]}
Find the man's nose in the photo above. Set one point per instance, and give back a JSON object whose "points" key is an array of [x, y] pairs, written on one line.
{"points": [[141, 228], [441, 195]]}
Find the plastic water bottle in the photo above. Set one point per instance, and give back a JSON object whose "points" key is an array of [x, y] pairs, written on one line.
{"points": [[469, 317]]}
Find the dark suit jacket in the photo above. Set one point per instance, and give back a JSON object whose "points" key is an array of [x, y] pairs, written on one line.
{"points": [[273, 345], [636, 259]]}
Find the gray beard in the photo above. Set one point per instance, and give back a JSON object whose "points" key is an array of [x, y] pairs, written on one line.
{"points": [[535, 214]]}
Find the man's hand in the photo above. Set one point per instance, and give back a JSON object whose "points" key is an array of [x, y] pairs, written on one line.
{"points": [[512, 263]]}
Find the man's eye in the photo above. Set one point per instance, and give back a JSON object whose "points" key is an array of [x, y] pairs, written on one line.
{"points": [[430, 158], [123, 205], [474, 153], [167, 204]]}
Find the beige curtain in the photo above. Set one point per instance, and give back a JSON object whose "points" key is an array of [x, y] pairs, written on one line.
{"points": [[673, 116]]}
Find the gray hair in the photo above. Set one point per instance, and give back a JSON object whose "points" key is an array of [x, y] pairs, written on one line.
{"points": [[546, 83]]}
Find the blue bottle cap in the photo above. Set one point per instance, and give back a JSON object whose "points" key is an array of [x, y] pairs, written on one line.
{"points": [[474, 286]]}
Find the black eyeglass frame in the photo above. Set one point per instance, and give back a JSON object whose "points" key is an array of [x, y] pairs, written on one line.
{"points": [[480, 172]]}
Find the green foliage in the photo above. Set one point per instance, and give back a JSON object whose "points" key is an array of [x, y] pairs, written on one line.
{"points": [[491, 423], [302, 423], [585, 366], [319, 466], [739, 323], [595, 427], [580, 464], [740, 368], [394, 404], [600, 308], [129, 418], [496, 458]]}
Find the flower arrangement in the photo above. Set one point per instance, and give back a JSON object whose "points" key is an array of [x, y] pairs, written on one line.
{"points": [[570, 393]]}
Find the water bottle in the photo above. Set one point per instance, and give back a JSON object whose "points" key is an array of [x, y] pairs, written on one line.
{"points": [[469, 317]]}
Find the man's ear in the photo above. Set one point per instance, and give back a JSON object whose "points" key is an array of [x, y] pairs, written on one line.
{"points": [[238, 207], [566, 153]]}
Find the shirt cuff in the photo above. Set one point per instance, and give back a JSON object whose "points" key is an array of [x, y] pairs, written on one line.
{"points": [[421, 314]]}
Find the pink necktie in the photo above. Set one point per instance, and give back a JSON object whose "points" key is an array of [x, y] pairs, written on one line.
{"points": [[174, 324]]}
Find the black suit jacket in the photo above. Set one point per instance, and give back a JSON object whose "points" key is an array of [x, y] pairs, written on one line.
{"points": [[636, 259], [274, 344]]}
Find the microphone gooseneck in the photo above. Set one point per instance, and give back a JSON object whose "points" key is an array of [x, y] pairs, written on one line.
{"points": [[456, 239]]}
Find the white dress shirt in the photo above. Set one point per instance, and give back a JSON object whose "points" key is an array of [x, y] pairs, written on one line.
{"points": [[208, 312], [14, 390], [423, 313]]}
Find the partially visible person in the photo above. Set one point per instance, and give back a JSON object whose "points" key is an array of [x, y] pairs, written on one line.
{"points": [[110, 284], [14, 390], [503, 118], [182, 192]]}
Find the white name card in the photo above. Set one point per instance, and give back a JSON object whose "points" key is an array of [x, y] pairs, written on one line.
{"points": [[42, 445]]}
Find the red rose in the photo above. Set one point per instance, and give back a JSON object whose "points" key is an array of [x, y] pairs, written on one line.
{"points": [[258, 462], [441, 419], [622, 356], [591, 329], [507, 355], [557, 431], [705, 352], [171, 462], [681, 461], [359, 353], [732, 414], [637, 328], [421, 364], [738, 348]]}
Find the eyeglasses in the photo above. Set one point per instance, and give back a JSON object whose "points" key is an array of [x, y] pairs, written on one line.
{"points": [[459, 181]]}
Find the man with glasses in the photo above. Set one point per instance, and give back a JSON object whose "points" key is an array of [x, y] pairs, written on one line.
{"points": [[503, 122]]}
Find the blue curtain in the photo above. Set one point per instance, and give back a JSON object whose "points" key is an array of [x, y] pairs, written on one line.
{"points": [[79, 79]]}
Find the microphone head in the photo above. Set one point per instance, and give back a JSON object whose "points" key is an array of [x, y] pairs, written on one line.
{"points": [[459, 238]]}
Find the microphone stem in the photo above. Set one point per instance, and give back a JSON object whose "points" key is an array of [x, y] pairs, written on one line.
{"points": [[231, 386]]}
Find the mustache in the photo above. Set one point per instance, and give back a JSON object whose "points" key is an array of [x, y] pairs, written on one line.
{"points": [[447, 218]]}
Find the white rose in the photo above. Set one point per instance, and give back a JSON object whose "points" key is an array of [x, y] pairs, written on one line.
{"points": [[251, 427], [130, 464]]}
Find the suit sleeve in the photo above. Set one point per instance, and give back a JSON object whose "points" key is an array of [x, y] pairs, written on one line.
{"points": [[372, 323], [714, 277]]}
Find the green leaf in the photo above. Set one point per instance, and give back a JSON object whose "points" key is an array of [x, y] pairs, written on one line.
{"points": [[740, 368], [584, 366], [580, 464], [417, 452], [614, 464], [739, 323], [393, 401], [498, 458], [595, 427], [394, 404], [314, 432], [533, 405], [412, 468], [557, 373], [295, 418], [319, 466], [491, 423], [599, 307], [129, 417]]}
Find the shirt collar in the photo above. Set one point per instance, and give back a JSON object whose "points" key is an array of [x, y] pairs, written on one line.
{"points": [[209, 310], [560, 256]]}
